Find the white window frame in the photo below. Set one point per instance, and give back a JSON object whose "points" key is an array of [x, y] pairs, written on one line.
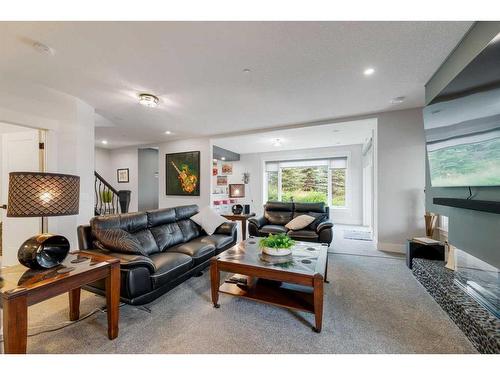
{"points": [[326, 159]]}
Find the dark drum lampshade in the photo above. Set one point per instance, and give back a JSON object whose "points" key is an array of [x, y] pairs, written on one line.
{"points": [[37, 194]]}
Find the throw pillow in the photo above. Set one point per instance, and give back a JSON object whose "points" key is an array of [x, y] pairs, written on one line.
{"points": [[318, 218], [118, 240], [208, 219], [300, 222]]}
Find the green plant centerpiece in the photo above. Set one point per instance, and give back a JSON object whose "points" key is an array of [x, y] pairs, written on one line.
{"points": [[277, 244]]}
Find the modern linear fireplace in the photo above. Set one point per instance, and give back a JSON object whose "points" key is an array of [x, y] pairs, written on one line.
{"points": [[478, 279]]}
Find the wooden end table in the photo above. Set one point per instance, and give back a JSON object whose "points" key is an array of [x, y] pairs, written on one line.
{"points": [[243, 218], [23, 287], [294, 281]]}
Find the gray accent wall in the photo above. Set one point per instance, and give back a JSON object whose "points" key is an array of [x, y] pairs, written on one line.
{"points": [[477, 233], [148, 164]]}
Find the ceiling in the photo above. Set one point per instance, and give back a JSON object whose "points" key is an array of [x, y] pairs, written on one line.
{"points": [[299, 71], [338, 134]]}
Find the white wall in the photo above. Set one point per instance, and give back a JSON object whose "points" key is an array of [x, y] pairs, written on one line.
{"points": [[70, 139], [255, 164], [103, 165], [108, 161], [400, 178], [196, 144]]}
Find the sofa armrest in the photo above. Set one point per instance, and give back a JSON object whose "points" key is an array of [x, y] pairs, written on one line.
{"points": [[259, 222], [128, 261], [324, 225], [228, 228]]}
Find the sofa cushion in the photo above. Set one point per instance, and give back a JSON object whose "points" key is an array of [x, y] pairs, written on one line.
{"points": [[147, 241], [278, 213], [218, 240], [134, 222], [117, 240], [168, 266], [161, 216], [300, 222], [305, 208], [189, 229], [303, 235], [167, 235], [185, 212], [266, 229], [196, 249]]}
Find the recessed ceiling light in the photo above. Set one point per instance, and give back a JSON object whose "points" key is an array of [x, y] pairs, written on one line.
{"points": [[246, 70], [277, 142], [43, 48], [149, 100], [398, 100], [168, 132], [104, 142], [369, 71]]}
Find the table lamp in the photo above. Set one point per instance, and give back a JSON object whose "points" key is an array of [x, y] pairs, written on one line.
{"points": [[37, 194]]}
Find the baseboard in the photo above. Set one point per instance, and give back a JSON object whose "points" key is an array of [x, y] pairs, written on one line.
{"points": [[391, 247]]}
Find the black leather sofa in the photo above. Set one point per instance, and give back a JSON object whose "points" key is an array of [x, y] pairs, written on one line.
{"points": [[278, 214], [174, 249]]}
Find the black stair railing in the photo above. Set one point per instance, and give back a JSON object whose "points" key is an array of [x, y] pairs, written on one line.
{"points": [[108, 200]]}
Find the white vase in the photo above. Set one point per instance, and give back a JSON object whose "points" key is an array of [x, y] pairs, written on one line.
{"points": [[276, 252]]}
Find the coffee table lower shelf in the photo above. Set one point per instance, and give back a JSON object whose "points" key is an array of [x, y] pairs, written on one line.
{"points": [[275, 293]]}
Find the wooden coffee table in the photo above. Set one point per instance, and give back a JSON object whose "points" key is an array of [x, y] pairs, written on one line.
{"points": [[294, 281], [22, 287]]}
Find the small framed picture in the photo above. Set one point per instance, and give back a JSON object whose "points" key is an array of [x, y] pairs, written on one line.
{"points": [[227, 168], [221, 180], [122, 175]]}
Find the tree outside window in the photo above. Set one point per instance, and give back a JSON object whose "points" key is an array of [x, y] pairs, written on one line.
{"points": [[308, 181]]}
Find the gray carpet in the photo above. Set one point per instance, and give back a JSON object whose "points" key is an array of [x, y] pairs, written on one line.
{"points": [[372, 305]]}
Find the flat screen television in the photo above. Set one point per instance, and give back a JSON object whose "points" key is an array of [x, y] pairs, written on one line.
{"points": [[462, 125]]}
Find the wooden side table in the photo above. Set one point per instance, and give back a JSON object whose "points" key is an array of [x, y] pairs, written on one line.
{"points": [[23, 287], [243, 218]]}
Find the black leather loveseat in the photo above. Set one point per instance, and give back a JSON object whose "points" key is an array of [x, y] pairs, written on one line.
{"points": [[172, 249], [278, 214]]}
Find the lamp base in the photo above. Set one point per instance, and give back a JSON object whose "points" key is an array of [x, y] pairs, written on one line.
{"points": [[43, 251]]}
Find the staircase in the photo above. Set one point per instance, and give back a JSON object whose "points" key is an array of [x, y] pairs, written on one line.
{"points": [[108, 200]]}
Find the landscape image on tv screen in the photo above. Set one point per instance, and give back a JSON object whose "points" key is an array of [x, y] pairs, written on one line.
{"points": [[464, 153]]}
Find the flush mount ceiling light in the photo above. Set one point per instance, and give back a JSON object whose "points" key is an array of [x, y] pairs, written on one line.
{"points": [[149, 100], [168, 132], [43, 48], [398, 100], [277, 142], [104, 142], [368, 71]]}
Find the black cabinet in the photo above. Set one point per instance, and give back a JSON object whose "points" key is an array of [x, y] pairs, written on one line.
{"points": [[416, 249]]}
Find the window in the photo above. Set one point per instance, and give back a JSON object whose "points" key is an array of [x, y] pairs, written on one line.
{"points": [[307, 181]]}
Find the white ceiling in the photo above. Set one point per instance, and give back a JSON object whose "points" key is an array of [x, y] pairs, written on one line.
{"points": [[300, 71], [338, 134]]}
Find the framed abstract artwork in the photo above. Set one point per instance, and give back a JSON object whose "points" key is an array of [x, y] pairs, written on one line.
{"points": [[182, 173]]}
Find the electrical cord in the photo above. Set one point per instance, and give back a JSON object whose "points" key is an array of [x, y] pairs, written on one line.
{"points": [[47, 329]]}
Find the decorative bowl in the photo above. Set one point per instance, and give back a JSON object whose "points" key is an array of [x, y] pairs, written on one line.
{"points": [[276, 252]]}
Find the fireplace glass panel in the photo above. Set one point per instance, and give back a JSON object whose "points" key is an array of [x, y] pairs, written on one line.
{"points": [[480, 280]]}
